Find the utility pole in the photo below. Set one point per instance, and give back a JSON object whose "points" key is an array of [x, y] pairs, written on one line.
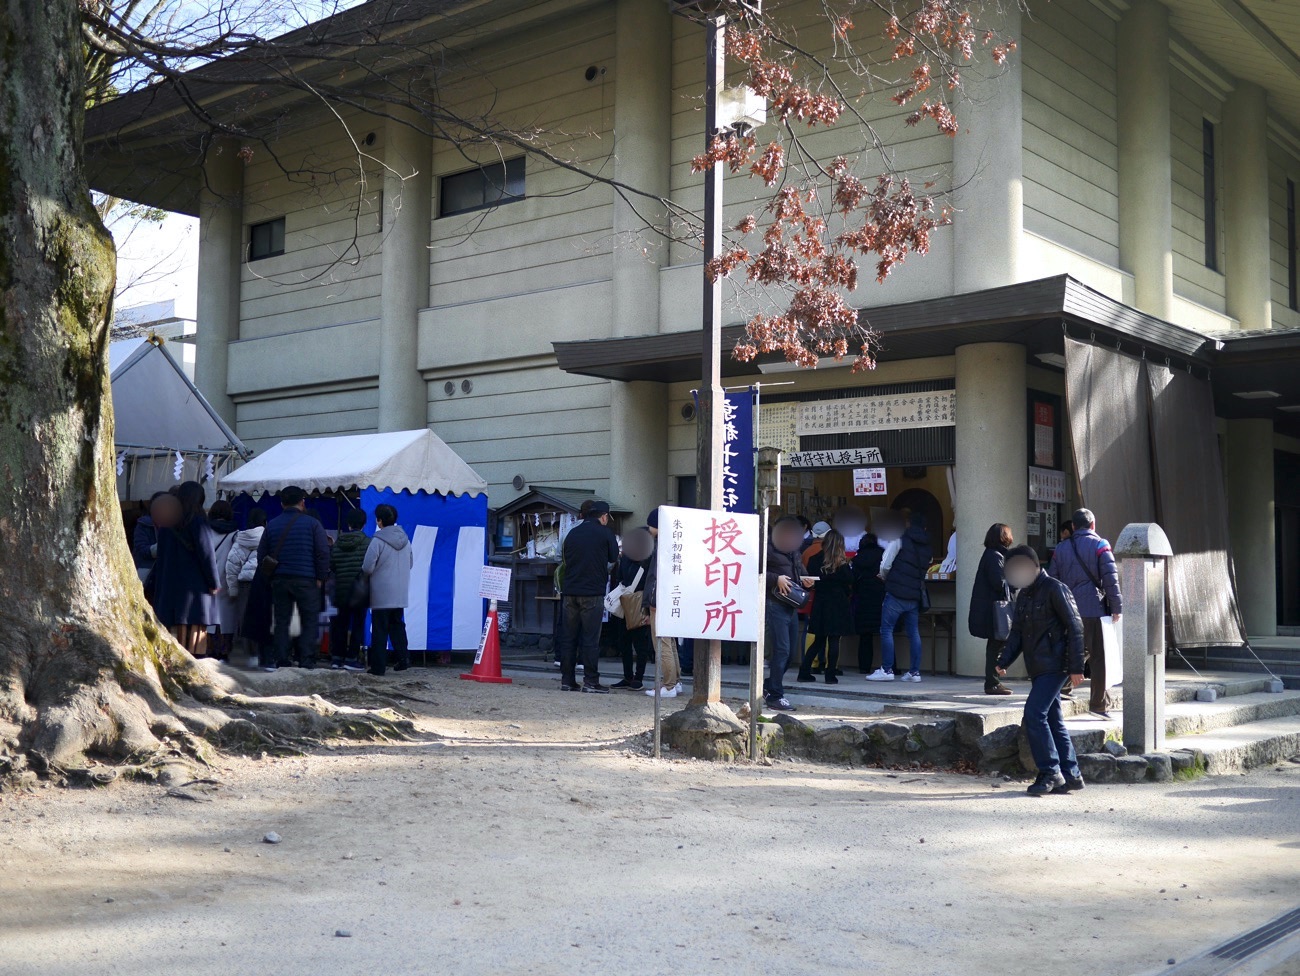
{"points": [[709, 426], [710, 441]]}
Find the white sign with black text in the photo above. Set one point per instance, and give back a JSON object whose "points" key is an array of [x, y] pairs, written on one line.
{"points": [[903, 411], [1046, 485], [849, 457], [494, 583]]}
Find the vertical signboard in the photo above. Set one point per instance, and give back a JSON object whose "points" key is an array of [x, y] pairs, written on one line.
{"points": [[707, 574], [738, 452]]}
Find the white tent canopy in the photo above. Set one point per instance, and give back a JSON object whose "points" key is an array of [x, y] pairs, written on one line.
{"points": [[164, 430], [414, 460], [156, 409]]}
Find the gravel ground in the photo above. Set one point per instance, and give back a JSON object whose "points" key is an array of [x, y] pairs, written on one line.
{"points": [[531, 833]]}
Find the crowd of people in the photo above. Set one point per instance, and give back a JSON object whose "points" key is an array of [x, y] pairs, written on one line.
{"points": [[841, 580], [268, 583]]}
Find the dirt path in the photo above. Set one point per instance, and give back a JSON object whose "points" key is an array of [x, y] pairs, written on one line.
{"points": [[536, 837]]}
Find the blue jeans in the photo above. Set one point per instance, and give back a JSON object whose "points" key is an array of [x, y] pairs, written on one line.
{"points": [[782, 633], [1044, 726], [892, 611]]}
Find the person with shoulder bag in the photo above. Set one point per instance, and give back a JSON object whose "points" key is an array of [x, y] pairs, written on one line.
{"points": [[991, 604], [293, 556], [788, 591], [1084, 562], [633, 575]]}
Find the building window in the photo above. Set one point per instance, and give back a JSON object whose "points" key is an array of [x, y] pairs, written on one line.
{"points": [[1292, 298], [266, 240], [482, 187], [1211, 196]]}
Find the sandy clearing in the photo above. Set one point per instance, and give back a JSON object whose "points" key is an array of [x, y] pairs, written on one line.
{"points": [[537, 837]]}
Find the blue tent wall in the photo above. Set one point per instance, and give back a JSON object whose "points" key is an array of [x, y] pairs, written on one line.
{"points": [[449, 542]]}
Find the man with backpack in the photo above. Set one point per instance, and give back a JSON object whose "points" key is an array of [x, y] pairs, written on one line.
{"points": [[1084, 562]]}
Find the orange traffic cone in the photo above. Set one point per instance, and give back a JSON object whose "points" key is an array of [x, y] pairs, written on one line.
{"points": [[487, 662]]}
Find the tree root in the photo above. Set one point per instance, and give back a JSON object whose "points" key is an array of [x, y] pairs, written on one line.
{"points": [[104, 735]]}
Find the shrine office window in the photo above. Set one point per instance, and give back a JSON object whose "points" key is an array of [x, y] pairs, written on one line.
{"points": [[266, 240], [482, 187]]}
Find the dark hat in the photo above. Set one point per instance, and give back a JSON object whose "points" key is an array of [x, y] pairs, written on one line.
{"points": [[597, 509], [1083, 518], [1023, 552], [652, 520]]}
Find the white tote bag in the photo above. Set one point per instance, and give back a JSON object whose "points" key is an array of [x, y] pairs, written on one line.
{"points": [[1112, 643], [614, 598]]}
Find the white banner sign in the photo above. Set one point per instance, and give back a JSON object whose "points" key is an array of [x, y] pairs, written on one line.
{"points": [[1046, 485], [707, 572], [869, 481], [494, 583], [937, 408], [849, 457]]}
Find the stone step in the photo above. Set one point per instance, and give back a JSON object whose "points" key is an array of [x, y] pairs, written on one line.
{"points": [[1243, 747], [1195, 718]]}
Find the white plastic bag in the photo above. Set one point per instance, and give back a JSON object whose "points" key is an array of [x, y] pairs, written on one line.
{"points": [[1112, 642]]}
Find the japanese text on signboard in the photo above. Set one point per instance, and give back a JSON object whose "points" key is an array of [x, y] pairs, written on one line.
{"points": [[707, 574], [936, 408], [844, 458], [738, 452]]}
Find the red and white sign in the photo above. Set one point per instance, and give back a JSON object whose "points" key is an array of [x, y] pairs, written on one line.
{"points": [[869, 481], [707, 570]]}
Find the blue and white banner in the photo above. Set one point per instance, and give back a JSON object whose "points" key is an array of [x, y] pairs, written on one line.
{"points": [[738, 452], [449, 547]]}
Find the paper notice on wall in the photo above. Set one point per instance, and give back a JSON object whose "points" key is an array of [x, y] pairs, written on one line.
{"points": [[1113, 643], [776, 426]]}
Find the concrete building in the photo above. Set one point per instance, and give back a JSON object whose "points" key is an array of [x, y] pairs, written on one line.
{"points": [[1126, 186]]}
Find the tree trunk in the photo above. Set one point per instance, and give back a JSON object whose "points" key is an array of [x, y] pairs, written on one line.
{"points": [[85, 667], [82, 662]]}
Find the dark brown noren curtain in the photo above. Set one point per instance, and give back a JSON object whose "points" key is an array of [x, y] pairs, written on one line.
{"points": [[1107, 400], [1192, 508]]}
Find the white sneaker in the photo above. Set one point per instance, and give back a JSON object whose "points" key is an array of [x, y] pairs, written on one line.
{"points": [[665, 692], [912, 676], [880, 674]]}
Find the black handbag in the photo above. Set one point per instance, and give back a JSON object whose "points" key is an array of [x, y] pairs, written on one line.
{"points": [[268, 564], [359, 598], [796, 597]]}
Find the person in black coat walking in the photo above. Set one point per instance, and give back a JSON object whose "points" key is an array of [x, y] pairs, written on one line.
{"points": [[987, 591], [832, 609], [1048, 631], [868, 596]]}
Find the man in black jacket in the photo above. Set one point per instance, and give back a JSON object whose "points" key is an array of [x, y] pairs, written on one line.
{"points": [[590, 549], [1048, 631]]}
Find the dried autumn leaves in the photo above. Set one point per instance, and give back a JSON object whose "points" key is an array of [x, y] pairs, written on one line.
{"points": [[881, 216]]}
